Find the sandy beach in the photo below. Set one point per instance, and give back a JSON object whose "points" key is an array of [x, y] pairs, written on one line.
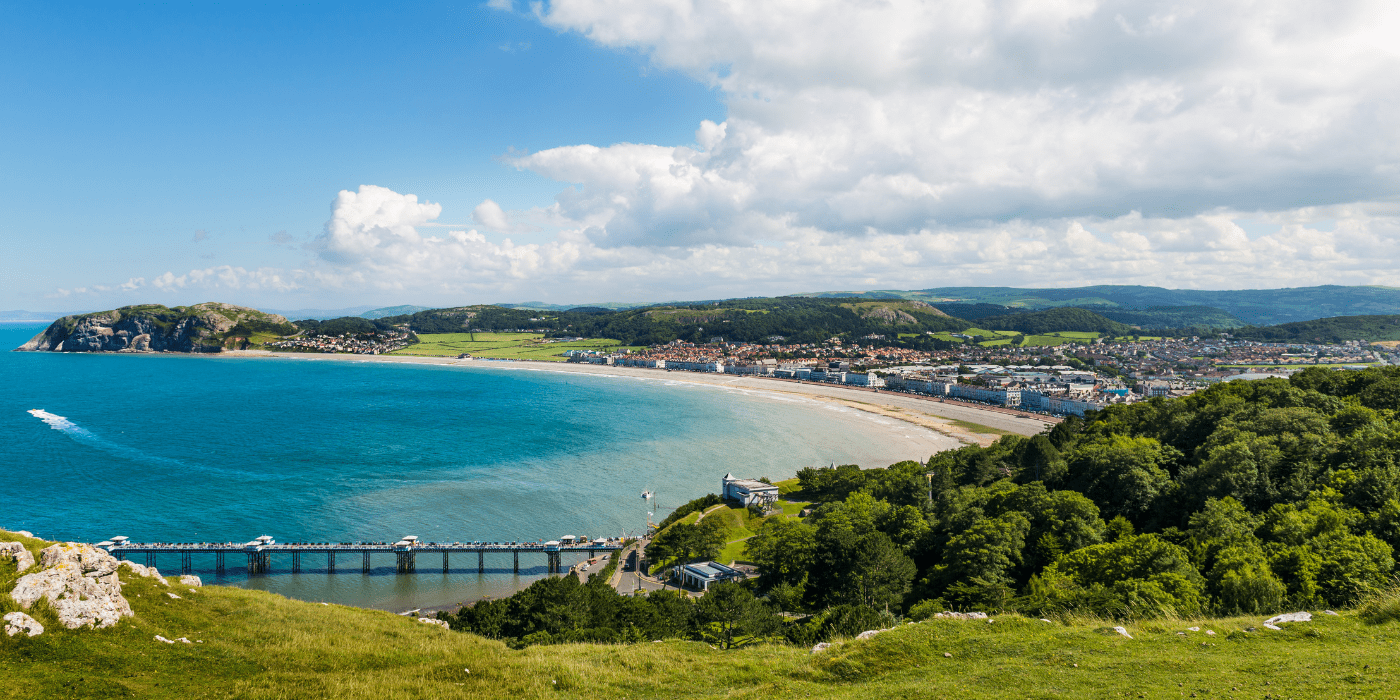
{"points": [[931, 425]]}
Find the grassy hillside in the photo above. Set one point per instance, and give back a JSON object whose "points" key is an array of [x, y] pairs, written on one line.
{"points": [[255, 645], [1053, 320]]}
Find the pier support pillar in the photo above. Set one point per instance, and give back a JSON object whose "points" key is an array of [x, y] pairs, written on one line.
{"points": [[185, 565], [296, 562], [517, 560], [366, 565], [330, 562], [444, 563], [406, 563], [150, 559], [258, 562], [219, 563]]}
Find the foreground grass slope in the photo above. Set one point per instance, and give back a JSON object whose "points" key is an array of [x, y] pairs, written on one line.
{"points": [[258, 645]]}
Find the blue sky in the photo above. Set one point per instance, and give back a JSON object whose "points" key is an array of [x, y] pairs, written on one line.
{"points": [[130, 129], [580, 150]]}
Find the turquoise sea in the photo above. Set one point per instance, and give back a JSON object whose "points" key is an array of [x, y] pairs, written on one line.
{"points": [[190, 448]]}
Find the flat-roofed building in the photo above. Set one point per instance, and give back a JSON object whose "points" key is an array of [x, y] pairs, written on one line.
{"points": [[700, 575], [747, 491]]}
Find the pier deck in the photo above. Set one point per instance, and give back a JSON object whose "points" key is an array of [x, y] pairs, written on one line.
{"points": [[405, 551]]}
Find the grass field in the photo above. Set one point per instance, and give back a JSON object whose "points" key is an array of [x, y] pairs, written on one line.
{"points": [[258, 645], [511, 346]]}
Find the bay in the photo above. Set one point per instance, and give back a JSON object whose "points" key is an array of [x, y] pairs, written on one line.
{"points": [[191, 448]]}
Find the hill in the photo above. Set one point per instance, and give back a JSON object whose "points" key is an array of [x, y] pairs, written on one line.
{"points": [[1327, 330], [795, 319], [1253, 306], [208, 327], [391, 311]]}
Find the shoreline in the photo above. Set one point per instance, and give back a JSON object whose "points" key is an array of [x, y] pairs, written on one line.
{"points": [[939, 417]]}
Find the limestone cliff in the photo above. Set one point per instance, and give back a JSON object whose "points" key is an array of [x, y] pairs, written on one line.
{"points": [[153, 328]]}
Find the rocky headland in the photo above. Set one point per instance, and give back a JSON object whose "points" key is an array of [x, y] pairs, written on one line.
{"points": [[208, 327]]}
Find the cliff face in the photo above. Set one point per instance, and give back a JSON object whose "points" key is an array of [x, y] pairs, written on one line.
{"points": [[155, 328]]}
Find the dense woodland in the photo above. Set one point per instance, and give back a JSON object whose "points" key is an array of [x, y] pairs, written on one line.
{"points": [[1325, 330], [1249, 497]]}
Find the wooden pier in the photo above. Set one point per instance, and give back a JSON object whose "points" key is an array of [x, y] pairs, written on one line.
{"points": [[406, 551]]}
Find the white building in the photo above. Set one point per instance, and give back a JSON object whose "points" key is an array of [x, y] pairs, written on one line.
{"points": [[702, 574], [864, 379], [747, 491]]}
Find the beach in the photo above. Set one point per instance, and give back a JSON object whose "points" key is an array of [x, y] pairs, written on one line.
{"points": [[933, 425]]}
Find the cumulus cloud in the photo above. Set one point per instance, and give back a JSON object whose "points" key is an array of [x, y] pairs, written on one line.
{"points": [[372, 243], [898, 117]]}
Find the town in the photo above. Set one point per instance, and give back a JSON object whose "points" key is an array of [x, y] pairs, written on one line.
{"points": [[1069, 379], [377, 344]]}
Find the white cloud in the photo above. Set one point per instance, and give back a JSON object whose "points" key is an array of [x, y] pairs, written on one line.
{"points": [[897, 117]]}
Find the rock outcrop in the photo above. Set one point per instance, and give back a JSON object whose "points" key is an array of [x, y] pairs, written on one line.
{"points": [[154, 328], [23, 559], [18, 622], [80, 583], [188, 580], [431, 621]]}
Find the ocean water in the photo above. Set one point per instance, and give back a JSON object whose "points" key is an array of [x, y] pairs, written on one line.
{"points": [[188, 448]]}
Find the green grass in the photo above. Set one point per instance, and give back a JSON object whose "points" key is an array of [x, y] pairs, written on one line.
{"points": [[259, 645], [979, 428], [511, 346]]}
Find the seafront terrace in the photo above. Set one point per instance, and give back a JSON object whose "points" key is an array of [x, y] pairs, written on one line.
{"points": [[406, 550]]}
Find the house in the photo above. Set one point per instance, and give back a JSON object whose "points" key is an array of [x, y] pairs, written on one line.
{"points": [[747, 491], [702, 574]]}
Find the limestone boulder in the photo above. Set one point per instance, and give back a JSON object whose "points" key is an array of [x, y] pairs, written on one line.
{"points": [[23, 559], [147, 571], [1289, 617], [869, 633], [960, 616], [18, 622], [80, 583], [188, 580]]}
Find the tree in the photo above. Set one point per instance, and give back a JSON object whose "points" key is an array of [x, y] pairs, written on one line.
{"points": [[1122, 475], [784, 551], [978, 564], [730, 613]]}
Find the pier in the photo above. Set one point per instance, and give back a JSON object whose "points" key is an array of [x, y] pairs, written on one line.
{"points": [[406, 550]]}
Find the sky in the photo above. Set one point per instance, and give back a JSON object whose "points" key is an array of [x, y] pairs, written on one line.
{"points": [[574, 151]]}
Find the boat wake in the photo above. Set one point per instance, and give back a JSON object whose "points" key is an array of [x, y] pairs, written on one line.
{"points": [[84, 436]]}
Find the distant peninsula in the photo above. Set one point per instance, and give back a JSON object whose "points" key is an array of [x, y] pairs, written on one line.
{"points": [[208, 327]]}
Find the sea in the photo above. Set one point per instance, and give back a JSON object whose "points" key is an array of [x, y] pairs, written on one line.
{"points": [[179, 448]]}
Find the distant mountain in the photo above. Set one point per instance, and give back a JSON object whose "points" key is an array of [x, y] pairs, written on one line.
{"points": [[612, 305], [322, 314], [1252, 306], [390, 311], [21, 315]]}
